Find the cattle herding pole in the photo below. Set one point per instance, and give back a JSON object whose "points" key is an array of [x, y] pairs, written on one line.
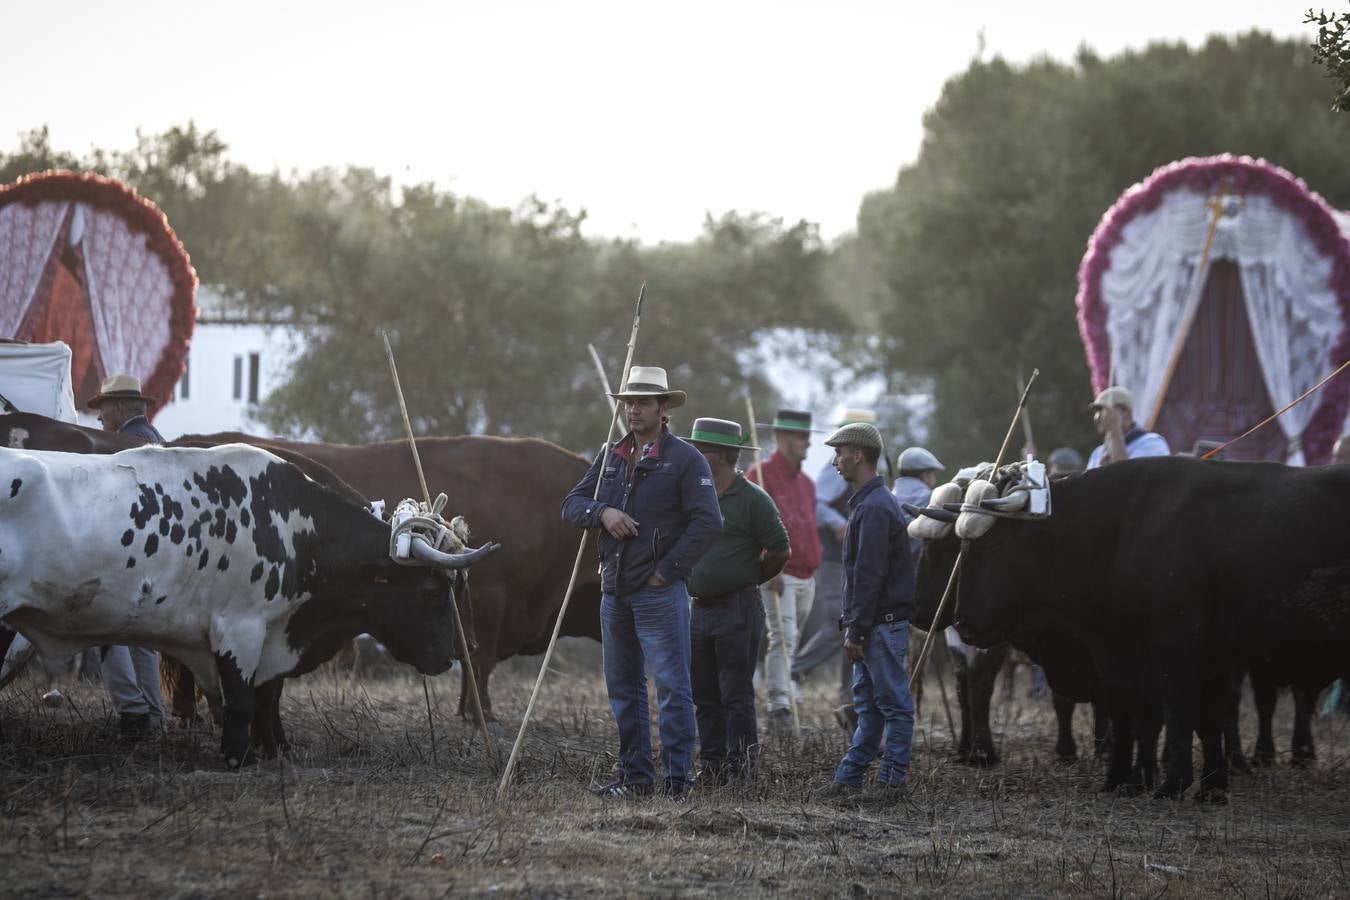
{"points": [[956, 567], [758, 468], [466, 659], [510, 770]]}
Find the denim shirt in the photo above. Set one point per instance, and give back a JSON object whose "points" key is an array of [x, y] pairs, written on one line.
{"points": [[878, 567], [669, 492]]}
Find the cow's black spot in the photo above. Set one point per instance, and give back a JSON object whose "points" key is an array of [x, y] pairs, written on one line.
{"points": [[159, 600], [127, 537], [218, 527], [273, 584], [164, 527], [131, 562], [145, 587], [159, 489], [222, 486], [194, 531], [172, 507], [243, 517], [195, 502], [223, 564], [256, 573], [190, 550], [146, 509], [14, 487], [151, 544], [176, 533], [187, 485], [204, 559]]}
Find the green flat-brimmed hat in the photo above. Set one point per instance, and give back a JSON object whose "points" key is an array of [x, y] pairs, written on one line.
{"points": [[791, 420], [719, 433]]}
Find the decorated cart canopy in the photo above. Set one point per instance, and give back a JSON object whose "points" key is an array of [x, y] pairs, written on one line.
{"points": [[86, 260], [1218, 291]]}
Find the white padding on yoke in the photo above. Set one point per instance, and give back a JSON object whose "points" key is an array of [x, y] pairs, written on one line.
{"points": [[926, 527], [974, 523]]}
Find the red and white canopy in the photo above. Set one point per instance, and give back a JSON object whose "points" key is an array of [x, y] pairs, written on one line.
{"points": [[88, 261], [1276, 251]]}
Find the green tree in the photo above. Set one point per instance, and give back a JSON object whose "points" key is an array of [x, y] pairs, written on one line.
{"points": [[980, 239], [1332, 51]]}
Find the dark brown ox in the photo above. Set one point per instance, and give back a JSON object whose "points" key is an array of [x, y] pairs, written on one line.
{"points": [[508, 489]]}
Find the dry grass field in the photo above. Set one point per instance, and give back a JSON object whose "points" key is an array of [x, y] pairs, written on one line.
{"points": [[374, 803]]}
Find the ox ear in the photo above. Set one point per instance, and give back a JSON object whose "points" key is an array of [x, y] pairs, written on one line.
{"points": [[974, 523], [928, 527]]}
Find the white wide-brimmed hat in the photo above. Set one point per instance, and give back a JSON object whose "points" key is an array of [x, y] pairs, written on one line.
{"points": [[119, 387], [650, 381]]}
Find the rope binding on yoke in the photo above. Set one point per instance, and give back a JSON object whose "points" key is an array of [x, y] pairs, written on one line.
{"points": [[413, 519]]}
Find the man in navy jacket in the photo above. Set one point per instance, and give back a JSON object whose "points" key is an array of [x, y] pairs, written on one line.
{"points": [[878, 604], [657, 510]]}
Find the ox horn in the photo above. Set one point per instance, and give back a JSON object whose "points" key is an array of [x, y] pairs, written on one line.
{"points": [[433, 557], [932, 512], [1011, 503]]}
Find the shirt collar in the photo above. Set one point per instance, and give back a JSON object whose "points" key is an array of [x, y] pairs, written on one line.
{"points": [[133, 420], [624, 449], [781, 462], [875, 482]]}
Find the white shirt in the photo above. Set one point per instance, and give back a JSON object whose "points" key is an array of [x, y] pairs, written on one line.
{"points": [[1150, 443]]}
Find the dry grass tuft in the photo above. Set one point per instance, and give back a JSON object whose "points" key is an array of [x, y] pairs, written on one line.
{"points": [[369, 805]]}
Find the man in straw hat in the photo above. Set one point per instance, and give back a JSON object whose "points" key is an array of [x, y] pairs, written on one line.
{"points": [[878, 602], [727, 619], [1122, 437], [793, 590], [131, 674], [657, 510]]}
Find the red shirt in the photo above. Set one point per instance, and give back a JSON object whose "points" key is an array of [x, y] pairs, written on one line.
{"points": [[795, 495]]}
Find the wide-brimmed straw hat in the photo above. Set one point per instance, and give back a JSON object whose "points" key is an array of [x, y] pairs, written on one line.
{"points": [[650, 381], [119, 387], [854, 416], [719, 433]]}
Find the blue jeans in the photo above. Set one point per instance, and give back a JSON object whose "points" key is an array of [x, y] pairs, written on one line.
{"points": [[650, 628], [882, 701]]}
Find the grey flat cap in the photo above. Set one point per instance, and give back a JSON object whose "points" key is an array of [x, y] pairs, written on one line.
{"points": [[917, 459], [856, 434]]}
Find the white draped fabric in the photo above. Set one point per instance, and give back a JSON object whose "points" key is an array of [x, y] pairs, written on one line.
{"points": [[1149, 292], [27, 234], [130, 292]]}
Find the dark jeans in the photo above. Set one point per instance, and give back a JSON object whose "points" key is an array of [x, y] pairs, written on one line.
{"points": [[649, 628], [724, 648]]}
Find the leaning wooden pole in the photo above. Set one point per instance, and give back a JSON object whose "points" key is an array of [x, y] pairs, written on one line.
{"points": [[471, 680], [956, 567], [758, 468], [510, 769]]}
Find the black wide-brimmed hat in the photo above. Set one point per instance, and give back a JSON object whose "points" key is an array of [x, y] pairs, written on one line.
{"points": [[719, 433]]}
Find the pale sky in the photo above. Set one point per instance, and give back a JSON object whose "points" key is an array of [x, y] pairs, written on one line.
{"points": [[647, 115]]}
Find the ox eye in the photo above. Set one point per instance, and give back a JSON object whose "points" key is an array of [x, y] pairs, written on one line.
{"points": [[380, 579]]}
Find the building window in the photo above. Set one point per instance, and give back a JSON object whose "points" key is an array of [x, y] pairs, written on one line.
{"points": [[253, 366], [238, 378], [184, 386]]}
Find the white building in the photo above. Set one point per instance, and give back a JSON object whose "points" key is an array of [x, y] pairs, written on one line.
{"points": [[234, 363]]}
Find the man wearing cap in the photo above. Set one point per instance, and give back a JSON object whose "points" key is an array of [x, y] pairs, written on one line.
{"points": [[918, 476], [822, 641], [131, 674], [878, 602], [653, 499], [1122, 437], [727, 619], [789, 594]]}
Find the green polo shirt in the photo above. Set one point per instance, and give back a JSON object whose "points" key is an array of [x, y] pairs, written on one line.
{"points": [[750, 525]]}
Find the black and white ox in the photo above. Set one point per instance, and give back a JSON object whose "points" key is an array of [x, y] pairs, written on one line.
{"points": [[1171, 573], [230, 559]]}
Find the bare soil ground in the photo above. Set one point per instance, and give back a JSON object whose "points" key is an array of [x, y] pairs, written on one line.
{"points": [[374, 803]]}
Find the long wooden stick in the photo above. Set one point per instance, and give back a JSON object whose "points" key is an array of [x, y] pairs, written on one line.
{"points": [[758, 468], [488, 746], [956, 567], [581, 549]]}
